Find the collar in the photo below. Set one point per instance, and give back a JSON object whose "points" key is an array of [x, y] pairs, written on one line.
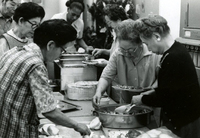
{"points": [[11, 33], [32, 47]]}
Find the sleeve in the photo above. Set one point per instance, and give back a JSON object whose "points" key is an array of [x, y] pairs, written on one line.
{"points": [[79, 26], [41, 90], [3, 46], [168, 83], [110, 71]]}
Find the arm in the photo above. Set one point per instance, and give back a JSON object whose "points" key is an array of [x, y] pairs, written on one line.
{"points": [[101, 88], [108, 74], [97, 52], [60, 118], [45, 102], [82, 43]]}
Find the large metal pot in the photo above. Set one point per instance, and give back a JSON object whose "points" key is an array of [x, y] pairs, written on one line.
{"points": [[111, 120]]}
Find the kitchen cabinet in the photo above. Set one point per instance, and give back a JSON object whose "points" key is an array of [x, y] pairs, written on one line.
{"points": [[190, 19]]}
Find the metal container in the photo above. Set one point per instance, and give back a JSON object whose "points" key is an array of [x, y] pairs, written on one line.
{"points": [[111, 120], [72, 59]]}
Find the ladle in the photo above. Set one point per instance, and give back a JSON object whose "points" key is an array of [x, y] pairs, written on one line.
{"points": [[125, 109]]}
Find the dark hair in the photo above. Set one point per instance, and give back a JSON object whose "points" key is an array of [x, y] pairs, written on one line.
{"points": [[28, 10], [58, 30], [126, 31], [153, 23], [115, 12], [75, 3]]}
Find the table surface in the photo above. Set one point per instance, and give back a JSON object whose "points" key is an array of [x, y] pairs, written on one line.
{"points": [[83, 115]]}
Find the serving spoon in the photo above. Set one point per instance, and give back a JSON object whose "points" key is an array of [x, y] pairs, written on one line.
{"points": [[124, 109]]}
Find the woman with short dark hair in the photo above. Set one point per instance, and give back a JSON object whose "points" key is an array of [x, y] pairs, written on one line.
{"points": [[27, 18]]}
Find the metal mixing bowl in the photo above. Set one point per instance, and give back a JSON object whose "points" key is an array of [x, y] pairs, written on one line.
{"points": [[111, 120]]}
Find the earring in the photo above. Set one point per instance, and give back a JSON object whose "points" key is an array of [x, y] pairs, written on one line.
{"points": [[158, 39]]}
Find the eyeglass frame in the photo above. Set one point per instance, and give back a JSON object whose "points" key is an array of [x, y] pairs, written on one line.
{"points": [[32, 25], [63, 50], [128, 50]]}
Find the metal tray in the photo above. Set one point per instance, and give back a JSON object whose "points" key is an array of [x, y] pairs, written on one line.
{"points": [[64, 106]]}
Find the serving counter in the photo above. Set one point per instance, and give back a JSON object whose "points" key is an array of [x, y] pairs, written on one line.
{"points": [[84, 114]]}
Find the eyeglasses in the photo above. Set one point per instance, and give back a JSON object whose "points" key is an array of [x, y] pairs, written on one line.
{"points": [[130, 50], [63, 50], [33, 25]]}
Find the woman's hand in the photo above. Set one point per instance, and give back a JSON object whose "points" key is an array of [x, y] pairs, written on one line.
{"points": [[96, 100], [102, 63], [97, 52], [137, 100], [83, 129]]}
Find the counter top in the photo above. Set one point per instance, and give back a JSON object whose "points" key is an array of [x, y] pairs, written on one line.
{"points": [[83, 115]]}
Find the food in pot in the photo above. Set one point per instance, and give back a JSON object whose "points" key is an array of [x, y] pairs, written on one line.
{"points": [[124, 134], [132, 134], [134, 112], [125, 87]]}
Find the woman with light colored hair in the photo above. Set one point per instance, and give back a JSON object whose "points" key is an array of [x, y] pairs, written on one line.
{"points": [[178, 91], [132, 63]]}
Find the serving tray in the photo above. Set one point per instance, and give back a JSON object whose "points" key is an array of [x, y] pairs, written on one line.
{"points": [[64, 106]]}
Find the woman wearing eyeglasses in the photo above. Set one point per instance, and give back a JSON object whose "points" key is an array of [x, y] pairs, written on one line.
{"points": [[132, 63], [27, 18]]}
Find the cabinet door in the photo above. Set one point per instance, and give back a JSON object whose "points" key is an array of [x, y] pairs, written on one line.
{"points": [[193, 10]]}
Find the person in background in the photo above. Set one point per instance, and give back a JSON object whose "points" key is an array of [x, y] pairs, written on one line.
{"points": [[25, 90], [132, 63], [178, 91], [7, 9], [113, 14], [27, 18], [72, 15]]}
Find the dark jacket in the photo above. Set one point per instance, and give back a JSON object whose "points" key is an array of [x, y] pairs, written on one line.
{"points": [[178, 89]]}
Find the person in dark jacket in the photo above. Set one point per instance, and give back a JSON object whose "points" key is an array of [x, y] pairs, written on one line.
{"points": [[178, 91]]}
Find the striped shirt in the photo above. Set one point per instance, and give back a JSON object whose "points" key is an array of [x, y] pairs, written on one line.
{"points": [[24, 92]]}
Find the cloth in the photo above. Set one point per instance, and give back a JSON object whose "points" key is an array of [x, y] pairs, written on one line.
{"points": [[24, 92], [128, 73], [78, 25], [10, 40], [5, 24], [178, 91]]}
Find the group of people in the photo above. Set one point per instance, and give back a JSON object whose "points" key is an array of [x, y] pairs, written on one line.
{"points": [[144, 55]]}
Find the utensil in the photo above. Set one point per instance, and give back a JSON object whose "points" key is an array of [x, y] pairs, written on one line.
{"points": [[124, 109]]}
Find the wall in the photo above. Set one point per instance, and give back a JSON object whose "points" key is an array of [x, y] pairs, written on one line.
{"points": [[169, 9], [145, 7], [52, 7]]}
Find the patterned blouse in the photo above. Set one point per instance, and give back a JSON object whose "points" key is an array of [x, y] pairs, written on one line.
{"points": [[24, 92]]}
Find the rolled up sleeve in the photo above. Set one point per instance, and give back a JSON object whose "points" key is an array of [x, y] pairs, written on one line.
{"points": [[110, 71], [41, 90]]}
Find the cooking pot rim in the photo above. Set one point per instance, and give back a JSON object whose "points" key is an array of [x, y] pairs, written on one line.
{"points": [[123, 115]]}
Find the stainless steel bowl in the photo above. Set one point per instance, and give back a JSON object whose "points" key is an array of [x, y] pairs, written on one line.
{"points": [[111, 120]]}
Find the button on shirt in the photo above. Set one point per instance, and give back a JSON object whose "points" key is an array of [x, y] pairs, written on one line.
{"points": [[142, 73]]}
